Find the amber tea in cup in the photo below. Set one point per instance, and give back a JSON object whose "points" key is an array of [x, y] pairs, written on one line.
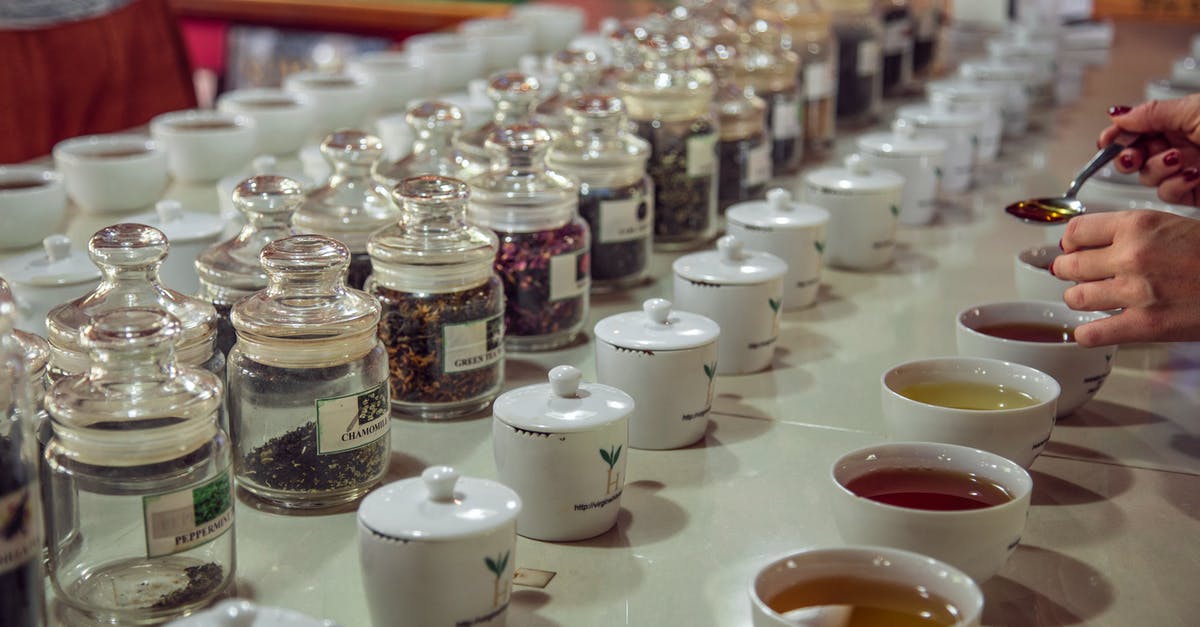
{"points": [[935, 489], [117, 153], [203, 125], [16, 185], [858, 602]]}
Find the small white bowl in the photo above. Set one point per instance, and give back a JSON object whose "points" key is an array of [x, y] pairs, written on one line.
{"points": [[450, 59], [112, 173], [340, 99], [1032, 274], [33, 202], [203, 145], [504, 41], [285, 120], [554, 25], [396, 79]]}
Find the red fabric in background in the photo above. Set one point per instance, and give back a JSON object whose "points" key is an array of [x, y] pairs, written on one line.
{"points": [[99, 75]]}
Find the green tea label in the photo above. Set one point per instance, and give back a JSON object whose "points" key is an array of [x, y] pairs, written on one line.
{"points": [[352, 421], [624, 220], [785, 117], [473, 345], [702, 155], [185, 519], [568, 275], [20, 529]]}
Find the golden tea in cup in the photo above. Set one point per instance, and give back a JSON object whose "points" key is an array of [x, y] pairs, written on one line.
{"points": [[969, 395], [858, 602]]}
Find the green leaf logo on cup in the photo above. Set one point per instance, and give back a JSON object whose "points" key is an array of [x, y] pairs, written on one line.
{"points": [[497, 567], [819, 245], [710, 371], [775, 304], [610, 457], [895, 210]]}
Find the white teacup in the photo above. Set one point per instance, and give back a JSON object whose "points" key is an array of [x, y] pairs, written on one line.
{"points": [[340, 99], [504, 40], [1032, 274], [555, 25], [976, 541], [1080, 370], [284, 120], [32, 204], [1017, 433], [450, 59], [873, 566], [202, 145], [396, 77], [112, 173]]}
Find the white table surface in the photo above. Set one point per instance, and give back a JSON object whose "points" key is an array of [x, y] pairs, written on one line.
{"points": [[1112, 533]]}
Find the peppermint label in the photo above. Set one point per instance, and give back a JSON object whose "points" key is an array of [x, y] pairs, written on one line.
{"points": [[624, 220], [185, 519], [568, 275], [473, 345], [702, 155], [352, 421], [20, 529]]}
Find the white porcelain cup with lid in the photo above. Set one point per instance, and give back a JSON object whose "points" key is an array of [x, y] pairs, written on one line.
{"points": [[793, 231], [1014, 107], [41, 280], [33, 202], [981, 99], [918, 159], [190, 233], [112, 173], [959, 130], [438, 549], [666, 359], [742, 291], [864, 207], [204, 145], [562, 446]]}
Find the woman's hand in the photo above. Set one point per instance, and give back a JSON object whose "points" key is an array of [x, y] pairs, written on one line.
{"points": [[1168, 155]]}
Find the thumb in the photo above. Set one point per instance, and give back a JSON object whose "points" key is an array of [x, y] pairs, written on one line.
{"points": [[1179, 115]]}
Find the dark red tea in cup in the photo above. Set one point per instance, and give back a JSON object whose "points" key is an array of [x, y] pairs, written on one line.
{"points": [[934, 489]]}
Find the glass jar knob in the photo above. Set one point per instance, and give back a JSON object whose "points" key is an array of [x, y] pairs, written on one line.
{"points": [[520, 142], [268, 199], [134, 328], [431, 115], [513, 89], [352, 148], [127, 246], [303, 256]]}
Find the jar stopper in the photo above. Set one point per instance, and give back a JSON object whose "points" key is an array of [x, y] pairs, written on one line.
{"points": [[658, 310], [267, 195], [440, 481], [127, 244], [57, 246], [731, 248], [564, 381], [855, 164], [352, 148], [430, 114], [169, 210], [779, 200]]}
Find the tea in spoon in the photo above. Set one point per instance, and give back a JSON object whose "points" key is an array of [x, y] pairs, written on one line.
{"points": [[1055, 210]]}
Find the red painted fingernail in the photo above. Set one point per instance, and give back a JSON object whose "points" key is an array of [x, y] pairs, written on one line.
{"points": [[1060, 247], [1191, 174], [1050, 269], [1171, 158], [1119, 110], [1127, 161]]}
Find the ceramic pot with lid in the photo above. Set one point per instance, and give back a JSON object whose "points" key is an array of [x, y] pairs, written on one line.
{"points": [[43, 279], [959, 130], [980, 99], [1014, 106], [190, 233], [439, 550], [562, 446], [864, 206], [742, 291], [666, 360], [917, 159], [790, 230]]}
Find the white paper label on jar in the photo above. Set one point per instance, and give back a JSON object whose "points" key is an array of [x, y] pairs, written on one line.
{"points": [[868, 57], [473, 345], [785, 118], [758, 164], [22, 525], [818, 80], [624, 220], [897, 36], [352, 421], [702, 155], [927, 23], [568, 275], [184, 519]]}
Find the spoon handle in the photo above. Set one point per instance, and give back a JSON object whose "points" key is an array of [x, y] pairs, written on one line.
{"points": [[1106, 154]]}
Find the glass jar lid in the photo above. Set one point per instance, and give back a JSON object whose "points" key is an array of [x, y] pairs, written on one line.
{"points": [[432, 248], [902, 141], [599, 146], [730, 264], [437, 506], [306, 316], [129, 257], [514, 96], [134, 406], [435, 123], [230, 270], [577, 70], [350, 205], [856, 176], [671, 85], [54, 265], [36, 351], [563, 405], [519, 194], [778, 211], [181, 226], [657, 327]]}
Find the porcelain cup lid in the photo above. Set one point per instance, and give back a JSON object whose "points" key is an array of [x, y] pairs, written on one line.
{"points": [[939, 113], [563, 405], [730, 264], [181, 226], [778, 211], [903, 141], [657, 327], [439, 505], [56, 264], [855, 177]]}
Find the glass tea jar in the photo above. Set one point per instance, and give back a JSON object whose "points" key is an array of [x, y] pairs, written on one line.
{"points": [[350, 205], [230, 271], [308, 393], [578, 72], [927, 16], [898, 44], [22, 598], [435, 123], [136, 441], [441, 302], [744, 150], [129, 257], [516, 94], [809, 30], [615, 195], [771, 71], [669, 100], [859, 34], [544, 245]]}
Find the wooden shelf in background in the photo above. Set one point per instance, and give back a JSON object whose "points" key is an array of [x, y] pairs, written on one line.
{"points": [[1152, 10], [377, 17]]}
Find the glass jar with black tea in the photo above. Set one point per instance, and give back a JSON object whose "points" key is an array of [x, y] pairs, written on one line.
{"points": [[669, 99], [810, 35], [615, 195], [442, 304], [859, 34], [435, 124], [308, 381], [351, 204], [744, 150], [230, 271], [136, 438], [897, 46], [543, 261], [129, 257], [22, 598], [516, 95], [771, 71]]}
